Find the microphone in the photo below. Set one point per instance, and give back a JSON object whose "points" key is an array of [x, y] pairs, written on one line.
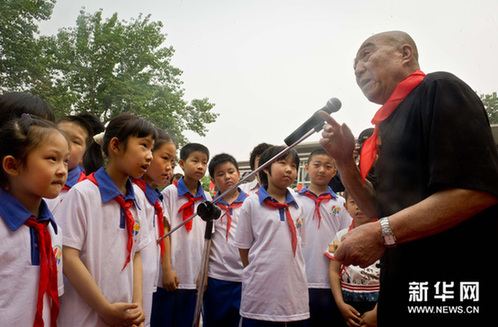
{"points": [[315, 122]]}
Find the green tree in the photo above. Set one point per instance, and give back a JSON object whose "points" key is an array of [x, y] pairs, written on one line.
{"points": [[490, 102], [109, 66], [19, 49]]}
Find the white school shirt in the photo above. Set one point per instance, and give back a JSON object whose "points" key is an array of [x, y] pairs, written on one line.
{"points": [[19, 263], [334, 218], [274, 284], [224, 261], [151, 254], [187, 248], [94, 224], [251, 188]]}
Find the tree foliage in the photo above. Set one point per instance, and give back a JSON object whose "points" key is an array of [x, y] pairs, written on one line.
{"points": [[490, 102], [106, 66], [19, 49]]}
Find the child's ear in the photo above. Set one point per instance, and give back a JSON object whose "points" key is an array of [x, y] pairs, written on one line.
{"points": [[306, 168], [212, 181], [114, 145], [10, 165]]}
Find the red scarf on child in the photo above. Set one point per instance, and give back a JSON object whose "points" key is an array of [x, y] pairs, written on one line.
{"points": [[227, 213], [402, 90], [318, 200], [48, 272], [159, 212], [188, 208]]}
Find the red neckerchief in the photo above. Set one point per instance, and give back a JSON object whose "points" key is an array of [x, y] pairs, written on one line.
{"points": [[277, 205], [318, 200], [48, 272], [227, 213], [159, 212], [82, 177], [188, 208], [402, 90], [130, 221]]}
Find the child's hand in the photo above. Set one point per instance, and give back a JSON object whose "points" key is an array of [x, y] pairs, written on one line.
{"points": [[141, 318], [121, 314], [369, 319], [170, 280], [350, 314], [333, 246]]}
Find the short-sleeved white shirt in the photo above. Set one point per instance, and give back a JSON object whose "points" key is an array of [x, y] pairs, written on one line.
{"points": [[187, 247], [19, 263], [151, 254], [334, 218], [274, 286], [224, 261], [96, 226]]}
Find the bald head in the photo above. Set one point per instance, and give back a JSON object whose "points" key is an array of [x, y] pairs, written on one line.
{"points": [[383, 61], [397, 39]]}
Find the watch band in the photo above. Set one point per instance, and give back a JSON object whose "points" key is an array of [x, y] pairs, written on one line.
{"points": [[387, 234]]}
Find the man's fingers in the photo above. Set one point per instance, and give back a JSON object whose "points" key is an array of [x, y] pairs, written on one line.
{"points": [[328, 119]]}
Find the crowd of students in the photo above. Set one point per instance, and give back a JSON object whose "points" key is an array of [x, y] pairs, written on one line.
{"points": [[85, 210]]}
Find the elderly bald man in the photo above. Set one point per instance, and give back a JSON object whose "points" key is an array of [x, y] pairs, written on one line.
{"points": [[436, 189]]}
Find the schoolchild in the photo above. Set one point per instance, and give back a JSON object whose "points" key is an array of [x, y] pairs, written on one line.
{"points": [[34, 156], [176, 177], [80, 135], [325, 216], [102, 221], [269, 237], [157, 176], [221, 302], [174, 302], [92, 159], [253, 186], [16, 104], [355, 289]]}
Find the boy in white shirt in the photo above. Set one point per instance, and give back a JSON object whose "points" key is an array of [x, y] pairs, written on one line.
{"points": [[174, 303], [325, 215], [222, 296]]}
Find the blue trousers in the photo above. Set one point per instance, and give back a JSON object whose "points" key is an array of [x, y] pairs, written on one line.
{"points": [[173, 309], [323, 310], [221, 303], [246, 322]]}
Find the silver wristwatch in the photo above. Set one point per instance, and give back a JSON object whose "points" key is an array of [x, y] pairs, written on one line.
{"points": [[387, 233]]}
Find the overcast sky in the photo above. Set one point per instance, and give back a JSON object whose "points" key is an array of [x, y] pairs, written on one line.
{"points": [[269, 64]]}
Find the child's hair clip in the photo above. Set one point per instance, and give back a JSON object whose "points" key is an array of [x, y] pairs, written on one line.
{"points": [[25, 114], [99, 138]]}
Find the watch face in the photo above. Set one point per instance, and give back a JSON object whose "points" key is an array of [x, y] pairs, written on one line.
{"points": [[389, 240]]}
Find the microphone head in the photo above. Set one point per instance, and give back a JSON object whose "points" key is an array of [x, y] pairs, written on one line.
{"points": [[332, 105]]}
